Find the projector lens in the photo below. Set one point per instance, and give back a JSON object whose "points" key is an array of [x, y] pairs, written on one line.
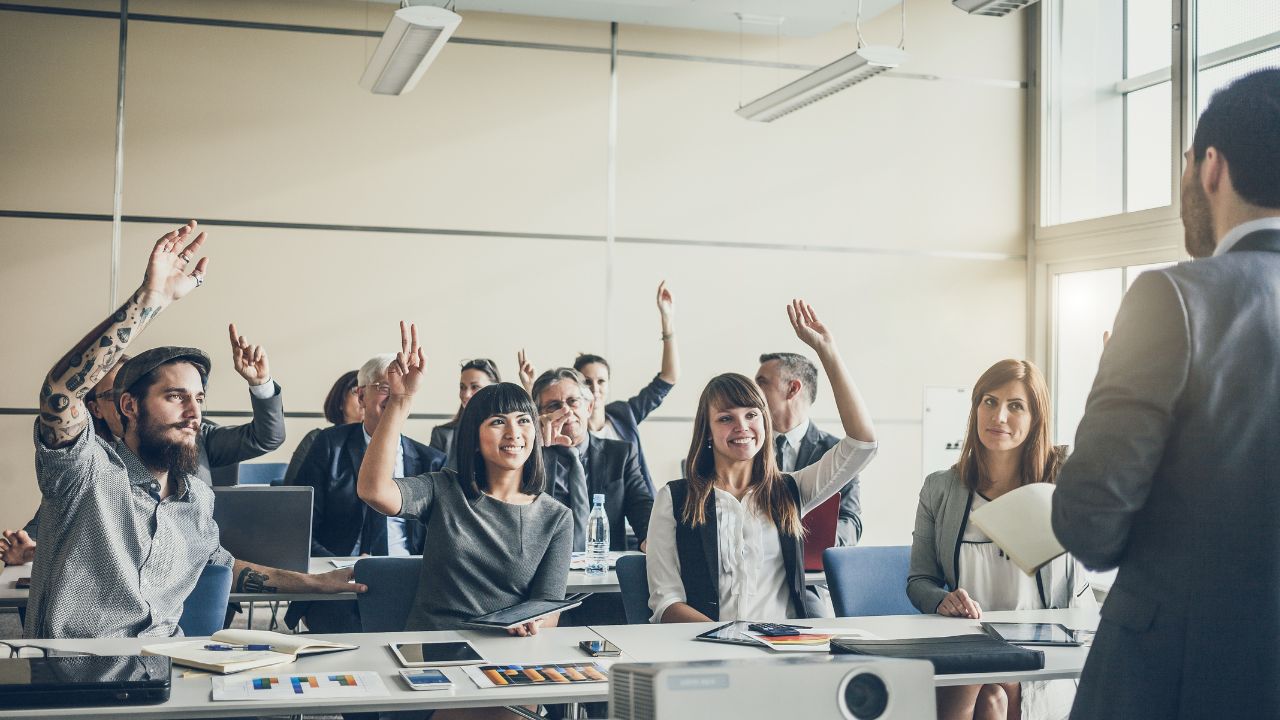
{"points": [[866, 697]]}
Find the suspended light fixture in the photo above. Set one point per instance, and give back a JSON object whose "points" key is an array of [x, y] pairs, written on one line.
{"points": [[862, 64], [991, 8], [412, 40]]}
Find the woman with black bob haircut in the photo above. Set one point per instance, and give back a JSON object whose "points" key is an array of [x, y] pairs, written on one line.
{"points": [[727, 543], [494, 538]]}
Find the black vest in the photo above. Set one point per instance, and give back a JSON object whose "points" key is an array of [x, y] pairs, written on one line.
{"points": [[698, 550]]}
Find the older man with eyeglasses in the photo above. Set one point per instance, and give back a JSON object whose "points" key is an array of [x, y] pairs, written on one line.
{"points": [[342, 525]]}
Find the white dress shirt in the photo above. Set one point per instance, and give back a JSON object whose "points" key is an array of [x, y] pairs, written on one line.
{"points": [[1231, 238], [753, 582], [791, 451], [397, 540]]}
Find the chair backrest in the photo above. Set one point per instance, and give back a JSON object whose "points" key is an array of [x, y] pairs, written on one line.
{"points": [[868, 580], [262, 473], [820, 531], [633, 580], [393, 583], [205, 609]]}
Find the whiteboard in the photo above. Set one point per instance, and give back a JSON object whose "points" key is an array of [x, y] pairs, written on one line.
{"points": [[946, 415]]}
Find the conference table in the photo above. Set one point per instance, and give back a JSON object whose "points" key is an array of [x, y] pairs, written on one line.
{"points": [[191, 693]]}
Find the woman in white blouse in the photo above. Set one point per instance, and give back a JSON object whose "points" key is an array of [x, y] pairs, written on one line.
{"points": [[957, 571], [726, 543]]}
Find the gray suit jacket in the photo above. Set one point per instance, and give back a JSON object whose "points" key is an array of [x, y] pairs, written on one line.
{"points": [[1174, 480], [815, 443], [223, 448]]}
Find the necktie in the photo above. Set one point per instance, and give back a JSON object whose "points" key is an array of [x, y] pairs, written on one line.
{"points": [[373, 536], [779, 444], [579, 503]]}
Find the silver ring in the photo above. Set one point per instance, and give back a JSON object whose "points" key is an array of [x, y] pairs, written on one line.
{"points": [[185, 257], [199, 280]]}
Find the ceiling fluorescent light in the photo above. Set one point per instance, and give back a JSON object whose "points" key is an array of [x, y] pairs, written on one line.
{"points": [[863, 63], [411, 41], [991, 8]]}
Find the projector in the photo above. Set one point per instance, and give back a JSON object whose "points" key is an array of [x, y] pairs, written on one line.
{"points": [[823, 686]]}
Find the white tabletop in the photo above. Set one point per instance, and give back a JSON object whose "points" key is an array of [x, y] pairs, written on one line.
{"points": [[192, 696], [659, 643]]}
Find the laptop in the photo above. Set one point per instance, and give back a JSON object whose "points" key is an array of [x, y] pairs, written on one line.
{"points": [[266, 525], [819, 532], [61, 681]]}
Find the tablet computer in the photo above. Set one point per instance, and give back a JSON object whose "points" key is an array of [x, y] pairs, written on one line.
{"points": [[1033, 633], [524, 612], [734, 633], [432, 654]]}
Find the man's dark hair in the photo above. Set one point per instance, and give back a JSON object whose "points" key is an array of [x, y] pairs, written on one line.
{"points": [[142, 385], [555, 375], [490, 400], [1242, 122], [336, 400], [796, 367], [585, 359]]}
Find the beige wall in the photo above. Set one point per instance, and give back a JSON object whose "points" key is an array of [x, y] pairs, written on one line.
{"points": [[269, 126]]}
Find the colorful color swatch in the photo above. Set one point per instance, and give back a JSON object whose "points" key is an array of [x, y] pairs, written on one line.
{"points": [[489, 676]]}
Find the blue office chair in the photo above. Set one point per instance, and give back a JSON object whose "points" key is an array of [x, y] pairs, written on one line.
{"points": [[868, 580], [262, 473], [205, 609], [393, 583], [633, 580]]}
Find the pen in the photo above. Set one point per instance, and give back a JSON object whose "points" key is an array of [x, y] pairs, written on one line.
{"points": [[222, 646]]}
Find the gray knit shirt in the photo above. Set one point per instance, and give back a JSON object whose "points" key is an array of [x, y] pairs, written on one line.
{"points": [[482, 555]]}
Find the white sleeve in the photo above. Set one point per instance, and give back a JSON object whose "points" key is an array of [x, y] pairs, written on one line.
{"points": [[264, 391], [833, 471], [661, 560]]}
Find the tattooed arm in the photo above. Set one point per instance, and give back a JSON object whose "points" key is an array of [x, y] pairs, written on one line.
{"points": [[252, 578], [62, 412]]}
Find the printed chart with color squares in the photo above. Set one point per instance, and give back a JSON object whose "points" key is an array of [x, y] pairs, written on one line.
{"points": [[316, 685], [496, 676]]}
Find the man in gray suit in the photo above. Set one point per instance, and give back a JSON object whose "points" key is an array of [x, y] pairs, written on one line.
{"points": [[790, 385], [1174, 478]]}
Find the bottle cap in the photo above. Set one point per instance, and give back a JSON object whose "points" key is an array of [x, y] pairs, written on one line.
{"points": [[597, 499]]}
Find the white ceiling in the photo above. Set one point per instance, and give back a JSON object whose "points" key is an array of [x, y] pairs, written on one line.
{"points": [[790, 17]]}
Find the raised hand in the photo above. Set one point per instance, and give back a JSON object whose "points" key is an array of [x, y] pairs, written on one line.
{"points": [[553, 427], [405, 374], [167, 276], [249, 360], [665, 303], [527, 371], [808, 327]]}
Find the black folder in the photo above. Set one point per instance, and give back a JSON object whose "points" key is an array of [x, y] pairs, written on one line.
{"points": [[950, 655]]}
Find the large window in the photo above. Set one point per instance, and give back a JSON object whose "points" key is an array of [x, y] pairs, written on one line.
{"points": [[1085, 305], [1109, 101]]}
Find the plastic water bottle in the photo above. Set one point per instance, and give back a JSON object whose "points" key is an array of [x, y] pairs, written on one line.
{"points": [[597, 537]]}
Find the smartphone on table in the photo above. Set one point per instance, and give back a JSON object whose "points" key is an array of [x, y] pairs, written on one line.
{"points": [[600, 648], [426, 679]]}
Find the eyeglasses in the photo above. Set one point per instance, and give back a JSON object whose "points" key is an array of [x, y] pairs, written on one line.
{"points": [[9, 650], [380, 388], [573, 401]]}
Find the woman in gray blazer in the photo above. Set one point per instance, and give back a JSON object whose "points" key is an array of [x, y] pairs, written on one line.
{"points": [[957, 571]]}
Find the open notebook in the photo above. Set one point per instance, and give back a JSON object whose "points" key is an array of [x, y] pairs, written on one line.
{"points": [[284, 648], [1019, 523]]}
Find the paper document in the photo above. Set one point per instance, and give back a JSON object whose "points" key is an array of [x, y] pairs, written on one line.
{"points": [[343, 564], [573, 673], [1019, 523], [810, 639], [283, 649], [284, 686]]}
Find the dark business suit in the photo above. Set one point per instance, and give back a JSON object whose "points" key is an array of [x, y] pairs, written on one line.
{"points": [[614, 470], [1174, 480], [815, 443], [338, 515], [626, 416]]}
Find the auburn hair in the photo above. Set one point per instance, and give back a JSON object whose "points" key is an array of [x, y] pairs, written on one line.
{"points": [[771, 498], [1040, 459]]}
